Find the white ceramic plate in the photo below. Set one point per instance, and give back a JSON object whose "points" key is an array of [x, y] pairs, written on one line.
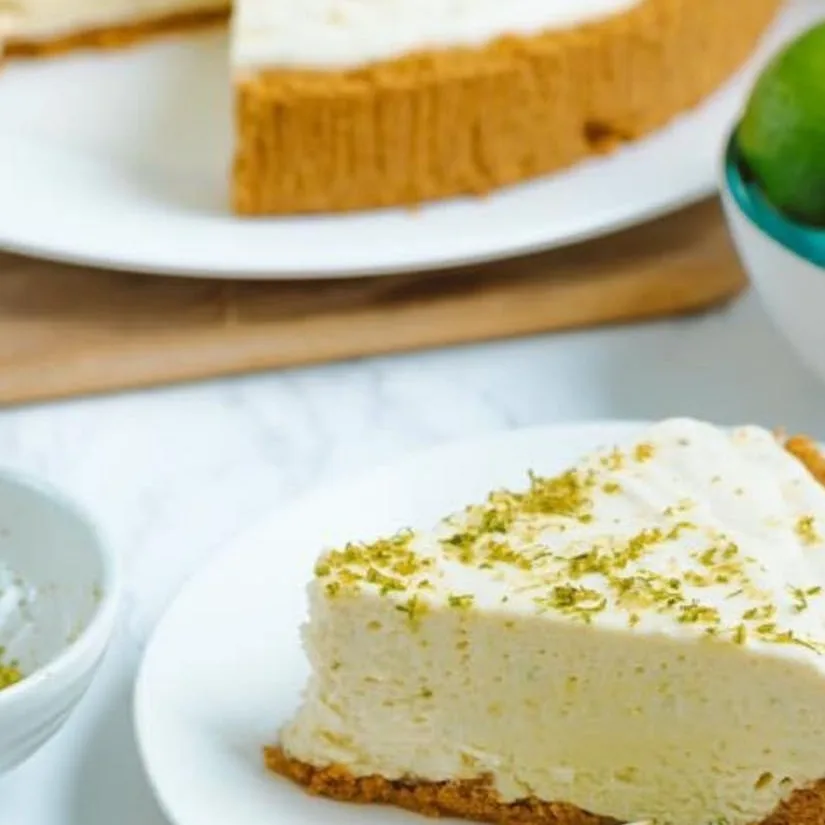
{"points": [[225, 668], [120, 160]]}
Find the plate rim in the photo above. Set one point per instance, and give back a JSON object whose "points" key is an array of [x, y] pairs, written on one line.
{"points": [[250, 536], [669, 203]]}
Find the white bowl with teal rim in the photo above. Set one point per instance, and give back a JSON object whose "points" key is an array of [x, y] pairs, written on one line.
{"points": [[785, 259], [59, 586]]}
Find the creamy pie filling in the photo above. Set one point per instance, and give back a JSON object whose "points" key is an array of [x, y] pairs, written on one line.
{"points": [[642, 636]]}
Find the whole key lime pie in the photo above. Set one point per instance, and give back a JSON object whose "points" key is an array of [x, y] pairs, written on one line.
{"points": [[343, 105]]}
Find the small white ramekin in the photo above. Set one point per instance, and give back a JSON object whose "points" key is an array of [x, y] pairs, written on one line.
{"points": [[58, 609]]}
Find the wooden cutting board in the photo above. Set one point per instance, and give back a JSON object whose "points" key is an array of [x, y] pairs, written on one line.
{"points": [[66, 331]]}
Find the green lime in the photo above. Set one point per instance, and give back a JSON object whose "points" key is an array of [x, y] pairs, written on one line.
{"points": [[782, 135]]}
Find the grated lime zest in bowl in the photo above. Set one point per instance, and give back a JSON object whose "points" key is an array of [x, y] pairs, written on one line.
{"points": [[16, 598], [9, 673]]}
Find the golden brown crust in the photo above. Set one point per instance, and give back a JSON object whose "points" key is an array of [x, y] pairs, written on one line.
{"points": [[476, 800], [115, 37], [471, 799], [469, 121], [810, 454]]}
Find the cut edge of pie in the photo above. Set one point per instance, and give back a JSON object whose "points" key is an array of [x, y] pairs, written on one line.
{"points": [[118, 36]]}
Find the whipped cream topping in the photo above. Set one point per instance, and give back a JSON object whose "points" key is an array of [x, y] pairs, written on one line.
{"points": [[692, 532], [642, 636], [6, 22], [343, 33]]}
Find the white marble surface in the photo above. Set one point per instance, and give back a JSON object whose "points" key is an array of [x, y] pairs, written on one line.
{"points": [[173, 474]]}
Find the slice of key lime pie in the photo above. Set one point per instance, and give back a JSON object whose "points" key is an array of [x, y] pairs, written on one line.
{"points": [[639, 637]]}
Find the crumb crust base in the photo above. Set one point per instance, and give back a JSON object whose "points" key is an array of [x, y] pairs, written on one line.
{"points": [[477, 801]]}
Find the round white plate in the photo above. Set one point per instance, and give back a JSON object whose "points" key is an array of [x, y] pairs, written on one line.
{"points": [[225, 668], [121, 160]]}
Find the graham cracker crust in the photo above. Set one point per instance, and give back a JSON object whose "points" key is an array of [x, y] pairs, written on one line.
{"points": [[469, 121], [472, 799], [477, 800], [810, 454], [117, 37]]}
